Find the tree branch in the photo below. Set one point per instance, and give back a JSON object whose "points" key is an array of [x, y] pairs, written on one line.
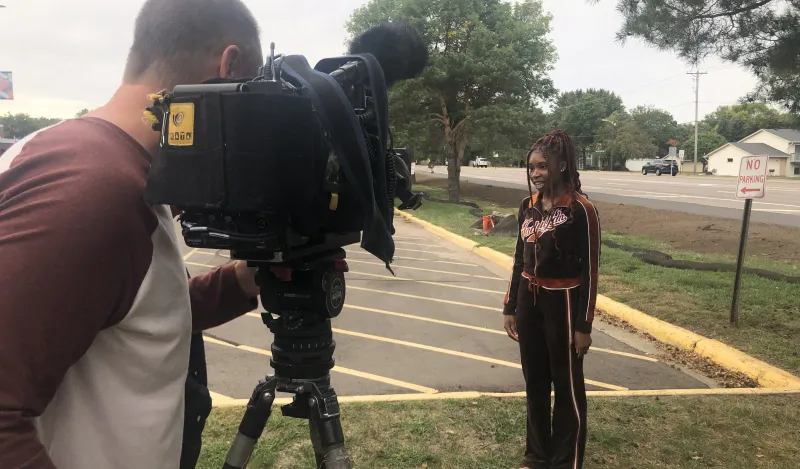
{"points": [[735, 12]]}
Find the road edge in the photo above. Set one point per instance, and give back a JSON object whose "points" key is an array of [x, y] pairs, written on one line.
{"points": [[766, 375]]}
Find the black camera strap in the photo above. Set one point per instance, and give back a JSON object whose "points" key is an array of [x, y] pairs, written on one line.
{"points": [[339, 120]]}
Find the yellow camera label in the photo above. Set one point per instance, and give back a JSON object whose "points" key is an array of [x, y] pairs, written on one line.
{"points": [[181, 124]]}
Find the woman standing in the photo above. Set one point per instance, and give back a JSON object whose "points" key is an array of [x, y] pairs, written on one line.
{"points": [[549, 306]]}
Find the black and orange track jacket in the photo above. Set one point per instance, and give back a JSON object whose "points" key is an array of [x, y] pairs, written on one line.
{"points": [[558, 250]]}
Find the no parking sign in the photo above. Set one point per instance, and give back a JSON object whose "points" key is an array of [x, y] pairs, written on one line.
{"points": [[751, 185], [752, 177]]}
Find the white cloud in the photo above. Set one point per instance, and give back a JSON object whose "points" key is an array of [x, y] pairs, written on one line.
{"points": [[67, 55]]}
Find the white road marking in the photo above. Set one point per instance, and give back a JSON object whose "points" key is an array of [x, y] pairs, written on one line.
{"points": [[686, 196]]}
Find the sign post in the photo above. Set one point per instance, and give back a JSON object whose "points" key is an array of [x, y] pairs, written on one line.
{"points": [[751, 185]]}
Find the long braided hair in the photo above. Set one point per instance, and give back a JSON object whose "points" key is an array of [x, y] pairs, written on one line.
{"points": [[559, 145]]}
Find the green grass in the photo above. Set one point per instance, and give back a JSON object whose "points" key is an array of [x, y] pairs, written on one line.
{"points": [[753, 432], [769, 312]]}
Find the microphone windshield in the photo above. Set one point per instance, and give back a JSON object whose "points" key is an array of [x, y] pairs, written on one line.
{"points": [[399, 49]]}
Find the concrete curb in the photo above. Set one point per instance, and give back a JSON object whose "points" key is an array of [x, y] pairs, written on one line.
{"points": [[724, 355]]}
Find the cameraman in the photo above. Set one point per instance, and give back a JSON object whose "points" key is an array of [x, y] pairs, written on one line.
{"points": [[96, 313]]}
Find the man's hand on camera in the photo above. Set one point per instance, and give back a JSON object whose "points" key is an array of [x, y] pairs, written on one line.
{"points": [[247, 278]]}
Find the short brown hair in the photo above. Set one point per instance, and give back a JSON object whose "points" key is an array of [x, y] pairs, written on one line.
{"points": [[176, 38]]}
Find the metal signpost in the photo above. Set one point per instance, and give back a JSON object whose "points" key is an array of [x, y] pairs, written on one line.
{"points": [[751, 185]]}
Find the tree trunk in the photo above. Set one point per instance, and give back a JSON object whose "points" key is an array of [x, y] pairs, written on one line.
{"points": [[583, 150], [450, 154], [453, 174]]}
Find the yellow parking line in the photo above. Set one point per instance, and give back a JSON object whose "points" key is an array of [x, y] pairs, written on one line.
{"points": [[461, 274], [436, 300], [219, 398], [421, 318], [417, 250], [474, 395], [438, 284], [456, 353], [196, 264], [346, 371], [206, 253], [190, 254], [466, 264], [486, 329], [404, 258], [429, 244]]}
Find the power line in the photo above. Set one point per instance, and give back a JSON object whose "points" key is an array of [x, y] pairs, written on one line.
{"points": [[696, 110]]}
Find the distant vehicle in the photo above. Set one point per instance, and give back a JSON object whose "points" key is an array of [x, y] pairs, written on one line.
{"points": [[660, 167], [479, 163]]}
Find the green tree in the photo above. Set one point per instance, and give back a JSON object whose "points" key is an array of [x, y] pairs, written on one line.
{"points": [[21, 125], [762, 35], [581, 114], [740, 120], [82, 112], [686, 131], [489, 67], [509, 131], [658, 124], [707, 141], [623, 139]]}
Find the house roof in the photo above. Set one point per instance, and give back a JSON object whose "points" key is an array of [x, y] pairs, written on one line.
{"points": [[791, 135], [6, 141], [759, 149]]}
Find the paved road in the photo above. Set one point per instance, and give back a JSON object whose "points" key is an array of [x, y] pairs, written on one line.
{"points": [[436, 327], [702, 195]]}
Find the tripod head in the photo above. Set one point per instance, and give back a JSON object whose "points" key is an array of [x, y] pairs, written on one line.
{"points": [[300, 298]]}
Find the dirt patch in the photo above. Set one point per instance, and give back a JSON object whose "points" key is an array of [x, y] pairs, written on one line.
{"points": [[677, 357], [687, 231]]}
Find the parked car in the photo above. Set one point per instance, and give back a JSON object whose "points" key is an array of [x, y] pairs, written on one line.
{"points": [[660, 167], [479, 163]]}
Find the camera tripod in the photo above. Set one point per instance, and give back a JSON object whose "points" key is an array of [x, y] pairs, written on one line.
{"points": [[305, 296]]}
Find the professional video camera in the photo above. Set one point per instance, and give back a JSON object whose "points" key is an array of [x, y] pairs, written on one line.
{"points": [[284, 170]]}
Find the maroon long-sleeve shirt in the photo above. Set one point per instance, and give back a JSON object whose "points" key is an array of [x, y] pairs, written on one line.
{"points": [[95, 308]]}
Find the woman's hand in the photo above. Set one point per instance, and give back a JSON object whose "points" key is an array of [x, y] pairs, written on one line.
{"points": [[510, 323], [582, 343]]}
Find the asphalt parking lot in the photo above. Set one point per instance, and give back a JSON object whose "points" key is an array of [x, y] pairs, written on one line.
{"points": [[436, 327]]}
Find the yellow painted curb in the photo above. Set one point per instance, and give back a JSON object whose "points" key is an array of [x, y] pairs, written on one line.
{"points": [[724, 355], [476, 395]]}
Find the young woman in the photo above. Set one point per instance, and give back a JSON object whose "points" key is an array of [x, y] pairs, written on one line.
{"points": [[550, 302]]}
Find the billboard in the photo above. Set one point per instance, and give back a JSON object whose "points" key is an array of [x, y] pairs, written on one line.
{"points": [[6, 86]]}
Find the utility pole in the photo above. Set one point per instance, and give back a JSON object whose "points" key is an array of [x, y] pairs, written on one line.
{"points": [[696, 111]]}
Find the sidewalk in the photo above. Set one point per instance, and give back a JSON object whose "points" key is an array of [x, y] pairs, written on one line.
{"points": [[435, 328]]}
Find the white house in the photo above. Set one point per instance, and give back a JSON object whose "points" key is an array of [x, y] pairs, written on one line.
{"points": [[781, 145]]}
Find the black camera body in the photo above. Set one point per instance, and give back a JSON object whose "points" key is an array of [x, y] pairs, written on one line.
{"points": [[245, 163], [291, 163]]}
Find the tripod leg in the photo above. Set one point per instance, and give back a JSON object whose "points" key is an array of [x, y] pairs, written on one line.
{"points": [[258, 411], [327, 435], [316, 443]]}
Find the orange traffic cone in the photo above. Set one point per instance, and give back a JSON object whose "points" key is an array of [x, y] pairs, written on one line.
{"points": [[488, 223]]}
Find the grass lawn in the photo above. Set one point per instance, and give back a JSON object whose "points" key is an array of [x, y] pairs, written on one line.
{"points": [[752, 432], [769, 312]]}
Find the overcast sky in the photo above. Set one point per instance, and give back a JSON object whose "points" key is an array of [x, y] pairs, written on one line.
{"points": [[67, 55]]}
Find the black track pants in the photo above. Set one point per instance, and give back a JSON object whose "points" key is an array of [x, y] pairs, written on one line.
{"points": [[545, 342]]}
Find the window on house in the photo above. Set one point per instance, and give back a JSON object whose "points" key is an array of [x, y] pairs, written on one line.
{"points": [[730, 160], [797, 170]]}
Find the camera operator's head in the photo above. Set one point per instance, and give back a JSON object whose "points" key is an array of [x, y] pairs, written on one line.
{"points": [[189, 41], [182, 42]]}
